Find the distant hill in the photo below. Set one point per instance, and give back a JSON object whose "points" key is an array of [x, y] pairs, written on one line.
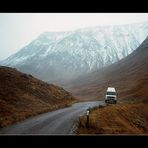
{"points": [[129, 76], [23, 95]]}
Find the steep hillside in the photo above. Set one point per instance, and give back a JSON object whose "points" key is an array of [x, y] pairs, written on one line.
{"points": [[129, 76], [22, 95], [62, 56]]}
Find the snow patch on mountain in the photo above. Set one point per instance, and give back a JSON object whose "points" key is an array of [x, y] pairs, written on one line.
{"points": [[60, 55]]}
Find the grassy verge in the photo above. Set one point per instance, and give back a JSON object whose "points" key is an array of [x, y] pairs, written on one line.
{"points": [[125, 118]]}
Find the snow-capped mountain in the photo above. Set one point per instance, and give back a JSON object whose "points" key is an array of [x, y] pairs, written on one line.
{"points": [[55, 56]]}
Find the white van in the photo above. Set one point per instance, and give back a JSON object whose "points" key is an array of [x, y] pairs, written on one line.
{"points": [[111, 95]]}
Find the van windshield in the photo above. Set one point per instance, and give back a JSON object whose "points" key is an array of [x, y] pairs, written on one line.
{"points": [[111, 93]]}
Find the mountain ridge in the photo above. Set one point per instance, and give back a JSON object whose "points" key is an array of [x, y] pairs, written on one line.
{"points": [[62, 56]]}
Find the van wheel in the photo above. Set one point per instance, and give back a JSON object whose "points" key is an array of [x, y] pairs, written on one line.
{"points": [[115, 102]]}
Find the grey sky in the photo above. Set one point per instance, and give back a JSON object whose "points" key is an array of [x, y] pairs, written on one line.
{"points": [[18, 29]]}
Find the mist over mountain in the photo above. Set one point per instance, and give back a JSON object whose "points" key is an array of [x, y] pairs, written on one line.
{"points": [[62, 56], [129, 76]]}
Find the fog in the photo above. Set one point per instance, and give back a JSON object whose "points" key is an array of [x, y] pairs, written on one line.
{"points": [[19, 29]]}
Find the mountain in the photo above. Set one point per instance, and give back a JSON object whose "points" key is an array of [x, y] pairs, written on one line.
{"points": [[23, 95], [129, 76], [61, 56]]}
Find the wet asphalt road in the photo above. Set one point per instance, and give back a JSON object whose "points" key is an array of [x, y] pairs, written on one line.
{"points": [[59, 122]]}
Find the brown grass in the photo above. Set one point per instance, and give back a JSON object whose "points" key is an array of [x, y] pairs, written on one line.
{"points": [[22, 96], [128, 118]]}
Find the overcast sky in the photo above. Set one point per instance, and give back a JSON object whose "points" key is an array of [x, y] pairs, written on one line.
{"points": [[18, 29]]}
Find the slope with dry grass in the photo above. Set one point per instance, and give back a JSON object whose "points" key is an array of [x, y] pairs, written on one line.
{"points": [[128, 118], [22, 96]]}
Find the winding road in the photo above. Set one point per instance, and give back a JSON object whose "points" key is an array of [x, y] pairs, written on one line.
{"points": [[57, 122]]}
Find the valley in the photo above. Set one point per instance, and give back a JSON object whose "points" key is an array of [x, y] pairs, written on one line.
{"points": [[49, 83]]}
